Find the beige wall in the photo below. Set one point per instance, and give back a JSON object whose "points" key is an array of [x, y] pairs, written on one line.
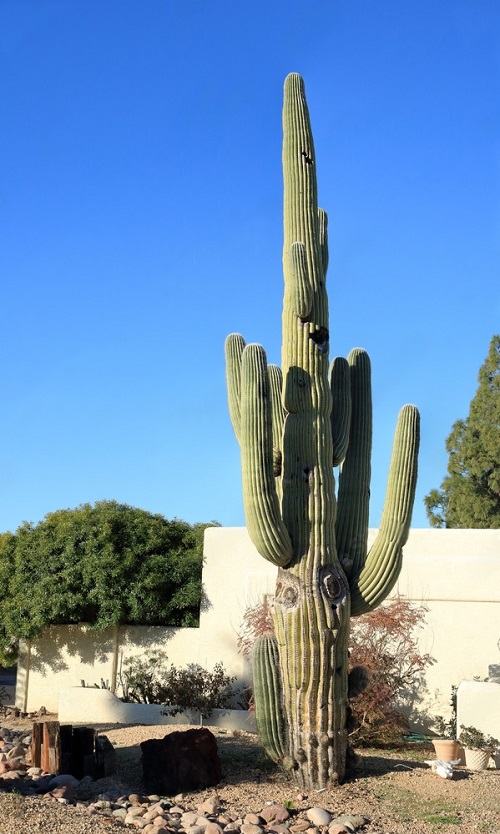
{"points": [[456, 573]]}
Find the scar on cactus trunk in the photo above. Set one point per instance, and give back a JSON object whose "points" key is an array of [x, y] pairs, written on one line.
{"points": [[294, 425]]}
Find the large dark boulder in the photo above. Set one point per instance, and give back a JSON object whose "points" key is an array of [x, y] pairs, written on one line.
{"points": [[181, 761]]}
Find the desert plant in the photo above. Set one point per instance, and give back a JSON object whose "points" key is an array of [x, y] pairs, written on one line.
{"points": [[149, 680], [144, 680], [196, 688], [448, 728], [294, 425], [383, 644], [105, 684], [473, 739]]}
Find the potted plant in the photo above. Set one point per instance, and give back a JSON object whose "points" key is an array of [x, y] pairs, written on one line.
{"points": [[478, 747], [446, 746]]}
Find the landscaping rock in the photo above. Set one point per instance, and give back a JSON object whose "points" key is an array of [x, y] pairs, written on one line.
{"points": [[274, 813], [318, 816], [181, 761]]}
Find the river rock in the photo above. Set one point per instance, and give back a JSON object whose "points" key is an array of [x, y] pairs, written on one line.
{"points": [[350, 821], [318, 816], [275, 813]]}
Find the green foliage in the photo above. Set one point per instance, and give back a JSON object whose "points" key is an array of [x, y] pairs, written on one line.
{"points": [[473, 739], [469, 496], [448, 729], [100, 564], [148, 680], [144, 680], [196, 688]]}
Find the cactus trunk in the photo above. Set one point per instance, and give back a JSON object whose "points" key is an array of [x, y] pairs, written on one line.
{"points": [[288, 450]]}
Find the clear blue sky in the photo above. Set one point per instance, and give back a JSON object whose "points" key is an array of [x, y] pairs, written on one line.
{"points": [[141, 222]]}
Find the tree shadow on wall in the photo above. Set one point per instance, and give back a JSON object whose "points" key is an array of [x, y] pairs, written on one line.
{"points": [[49, 654]]}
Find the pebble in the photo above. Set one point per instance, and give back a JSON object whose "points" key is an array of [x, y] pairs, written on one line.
{"points": [[155, 814]]}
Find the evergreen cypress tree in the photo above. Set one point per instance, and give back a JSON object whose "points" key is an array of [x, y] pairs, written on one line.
{"points": [[470, 494]]}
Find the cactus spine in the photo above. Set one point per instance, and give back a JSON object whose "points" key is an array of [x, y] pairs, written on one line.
{"points": [[293, 426]]}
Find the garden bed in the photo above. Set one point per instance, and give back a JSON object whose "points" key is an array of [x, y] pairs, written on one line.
{"points": [[393, 788]]}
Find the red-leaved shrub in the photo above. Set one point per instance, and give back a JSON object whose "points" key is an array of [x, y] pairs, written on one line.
{"points": [[385, 643]]}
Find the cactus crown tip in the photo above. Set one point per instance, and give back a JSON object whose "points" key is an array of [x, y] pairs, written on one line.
{"points": [[294, 78]]}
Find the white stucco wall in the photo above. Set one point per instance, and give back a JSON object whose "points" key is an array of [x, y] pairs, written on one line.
{"points": [[456, 573]]}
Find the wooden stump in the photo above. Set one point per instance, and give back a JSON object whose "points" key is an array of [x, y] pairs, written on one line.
{"points": [[46, 746], [66, 749]]}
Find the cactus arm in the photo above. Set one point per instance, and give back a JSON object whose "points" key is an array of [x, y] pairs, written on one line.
{"points": [[234, 347], [260, 499], [383, 564], [268, 696], [341, 408], [278, 418], [354, 479]]}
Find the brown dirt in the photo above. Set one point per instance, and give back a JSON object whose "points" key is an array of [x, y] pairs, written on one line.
{"points": [[394, 789]]}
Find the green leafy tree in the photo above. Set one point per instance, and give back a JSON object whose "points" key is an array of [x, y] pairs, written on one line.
{"points": [[101, 564], [470, 494]]}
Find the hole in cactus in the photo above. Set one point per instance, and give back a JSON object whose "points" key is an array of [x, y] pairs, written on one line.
{"points": [[307, 158], [320, 338], [305, 473], [332, 586], [290, 595]]}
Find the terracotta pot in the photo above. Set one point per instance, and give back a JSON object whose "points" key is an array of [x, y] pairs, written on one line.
{"points": [[477, 759], [446, 749]]}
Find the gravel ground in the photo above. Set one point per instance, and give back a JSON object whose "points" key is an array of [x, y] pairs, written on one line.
{"points": [[396, 791]]}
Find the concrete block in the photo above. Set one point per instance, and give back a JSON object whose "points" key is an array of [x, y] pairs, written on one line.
{"points": [[478, 705]]}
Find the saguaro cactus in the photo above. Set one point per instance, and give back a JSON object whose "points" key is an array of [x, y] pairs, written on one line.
{"points": [[293, 426]]}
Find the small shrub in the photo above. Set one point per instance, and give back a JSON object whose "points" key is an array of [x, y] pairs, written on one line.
{"points": [[473, 739], [385, 643], [148, 680], [144, 680], [257, 621], [196, 688]]}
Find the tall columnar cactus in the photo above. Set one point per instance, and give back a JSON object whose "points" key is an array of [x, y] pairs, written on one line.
{"points": [[293, 426]]}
